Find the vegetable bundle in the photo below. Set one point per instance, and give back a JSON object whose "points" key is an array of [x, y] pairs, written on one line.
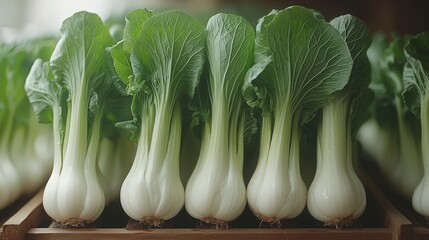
{"points": [[295, 78]]}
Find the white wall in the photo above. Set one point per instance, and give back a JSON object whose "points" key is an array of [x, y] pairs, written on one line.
{"points": [[27, 18]]}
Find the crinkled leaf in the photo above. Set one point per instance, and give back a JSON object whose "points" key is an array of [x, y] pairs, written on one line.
{"points": [[131, 127], [79, 58], [358, 39], [133, 26], [200, 104], [121, 51], [416, 72], [250, 124], [254, 96], [310, 60], [43, 93], [122, 62], [167, 59], [411, 94], [230, 43]]}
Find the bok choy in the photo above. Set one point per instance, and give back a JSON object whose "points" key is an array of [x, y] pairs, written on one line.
{"points": [[336, 196], [215, 192], [160, 60], [299, 61], [416, 95], [72, 91]]}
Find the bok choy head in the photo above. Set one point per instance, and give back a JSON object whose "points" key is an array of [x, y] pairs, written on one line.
{"points": [[299, 61], [71, 91], [216, 192], [160, 60], [416, 95]]}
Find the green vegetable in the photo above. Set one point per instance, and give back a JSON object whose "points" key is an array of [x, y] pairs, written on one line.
{"points": [[215, 192], [336, 196], [416, 95], [72, 91], [166, 61], [305, 61]]}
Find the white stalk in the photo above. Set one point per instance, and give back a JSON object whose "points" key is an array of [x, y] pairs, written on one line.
{"points": [[298, 188], [72, 188], [73, 195], [336, 196], [106, 166], [94, 199], [215, 192], [50, 203], [408, 171], [152, 191], [420, 198], [276, 191]]}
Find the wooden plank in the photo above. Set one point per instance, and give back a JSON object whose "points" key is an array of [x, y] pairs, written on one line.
{"points": [[402, 228], [29, 216], [9, 211], [421, 233], [248, 234]]}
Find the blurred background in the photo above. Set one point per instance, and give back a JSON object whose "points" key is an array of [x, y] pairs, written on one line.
{"points": [[31, 18]]}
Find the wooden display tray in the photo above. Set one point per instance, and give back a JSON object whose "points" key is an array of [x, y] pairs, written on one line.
{"points": [[420, 225], [31, 222], [9, 211]]}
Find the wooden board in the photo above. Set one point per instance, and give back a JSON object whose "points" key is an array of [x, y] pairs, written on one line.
{"points": [[29, 216], [9, 211], [290, 234], [403, 205]]}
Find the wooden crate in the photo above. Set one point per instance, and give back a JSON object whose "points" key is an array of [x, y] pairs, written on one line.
{"points": [[420, 225], [9, 211], [31, 222]]}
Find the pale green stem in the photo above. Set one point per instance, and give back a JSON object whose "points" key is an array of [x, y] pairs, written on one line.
{"points": [[58, 154], [160, 137], [333, 132], [75, 153], [236, 139], [425, 129], [281, 140], [91, 155]]}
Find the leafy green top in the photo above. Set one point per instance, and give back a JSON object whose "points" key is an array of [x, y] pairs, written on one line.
{"points": [[306, 60]]}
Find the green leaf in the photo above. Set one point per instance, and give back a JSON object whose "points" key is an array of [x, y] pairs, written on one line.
{"points": [[121, 51], [253, 95], [416, 72], [411, 93], [79, 59], [131, 127], [167, 58], [310, 60], [42, 92], [200, 105], [122, 63], [230, 43], [133, 26], [358, 39]]}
